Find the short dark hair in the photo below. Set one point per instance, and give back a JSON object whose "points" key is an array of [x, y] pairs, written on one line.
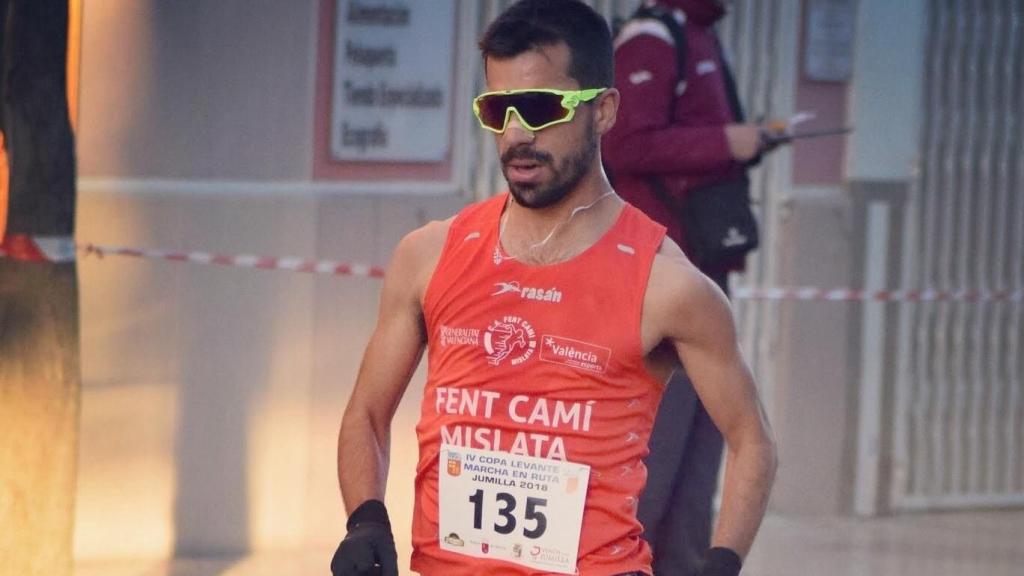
{"points": [[530, 24]]}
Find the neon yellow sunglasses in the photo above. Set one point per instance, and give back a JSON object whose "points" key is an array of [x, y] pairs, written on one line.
{"points": [[536, 108]]}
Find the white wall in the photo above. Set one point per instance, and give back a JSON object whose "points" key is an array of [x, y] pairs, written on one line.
{"points": [[212, 395], [193, 89]]}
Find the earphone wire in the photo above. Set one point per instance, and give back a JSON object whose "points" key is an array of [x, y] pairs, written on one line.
{"points": [[551, 234]]}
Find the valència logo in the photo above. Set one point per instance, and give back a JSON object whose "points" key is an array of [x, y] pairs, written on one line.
{"points": [[575, 353]]}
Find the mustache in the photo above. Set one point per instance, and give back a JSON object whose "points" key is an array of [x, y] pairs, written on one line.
{"points": [[525, 152]]}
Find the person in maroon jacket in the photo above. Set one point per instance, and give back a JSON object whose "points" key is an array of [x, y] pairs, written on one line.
{"points": [[683, 132]]}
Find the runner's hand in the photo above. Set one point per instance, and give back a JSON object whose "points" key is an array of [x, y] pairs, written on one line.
{"points": [[721, 562], [369, 547]]}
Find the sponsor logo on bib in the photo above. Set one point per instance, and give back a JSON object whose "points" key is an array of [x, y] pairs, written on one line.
{"points": [[553, 295], [574, 353], [459, 336], [454, 464]]}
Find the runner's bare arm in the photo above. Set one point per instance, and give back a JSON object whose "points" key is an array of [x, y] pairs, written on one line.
{"points": [[391, 357], [695, 316]]}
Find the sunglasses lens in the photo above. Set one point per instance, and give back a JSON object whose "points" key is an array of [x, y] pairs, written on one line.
{"points": [[535, 108], [492, 110], [539, 108]]}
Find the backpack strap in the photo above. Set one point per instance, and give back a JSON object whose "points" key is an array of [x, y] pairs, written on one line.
{"points": [[730, 85], [675, 29]]}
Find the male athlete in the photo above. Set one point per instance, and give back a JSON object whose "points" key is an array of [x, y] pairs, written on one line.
{"points": [[551, 315]]}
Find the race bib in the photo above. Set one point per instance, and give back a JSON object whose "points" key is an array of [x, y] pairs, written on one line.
{"points": [[520, 509]]}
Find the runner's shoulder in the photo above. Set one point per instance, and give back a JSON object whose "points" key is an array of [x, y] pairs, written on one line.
{"points": [[418, 252], [425, 241], [676, 284]]}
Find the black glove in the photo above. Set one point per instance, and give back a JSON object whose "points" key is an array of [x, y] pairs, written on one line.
{"points": [[369, 547], [721, 562]]}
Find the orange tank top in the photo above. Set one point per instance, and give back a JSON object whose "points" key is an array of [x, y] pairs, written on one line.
{"points": [[557, 352]]}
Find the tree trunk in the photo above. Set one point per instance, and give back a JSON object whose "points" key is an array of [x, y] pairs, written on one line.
{"points": [[39, 373]]}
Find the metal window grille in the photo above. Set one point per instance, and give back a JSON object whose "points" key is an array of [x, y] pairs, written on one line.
{"points": [[958, 433]]}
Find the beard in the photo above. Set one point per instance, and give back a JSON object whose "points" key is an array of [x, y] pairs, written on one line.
{"points": [[567, 174]]}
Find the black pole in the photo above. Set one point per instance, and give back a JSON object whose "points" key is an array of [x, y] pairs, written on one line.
{"points": [[39, 339]]}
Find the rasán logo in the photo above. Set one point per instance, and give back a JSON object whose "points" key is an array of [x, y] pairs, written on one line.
{"points": [[509, 337], [575, 353], [553, 295]]}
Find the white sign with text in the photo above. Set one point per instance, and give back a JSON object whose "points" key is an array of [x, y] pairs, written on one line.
{"points": [[829, 39], [393, 77]]}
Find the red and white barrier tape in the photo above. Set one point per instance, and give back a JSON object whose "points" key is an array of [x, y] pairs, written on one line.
{"points": [[62, 249], [849, 295], [329, 267], [58, 249]]}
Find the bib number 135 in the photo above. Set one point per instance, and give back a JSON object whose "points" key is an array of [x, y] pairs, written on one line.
{"points": [[530, 517], [517, 508]]}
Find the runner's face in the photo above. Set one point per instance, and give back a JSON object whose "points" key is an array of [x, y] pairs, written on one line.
{"points": [[543, 167]]}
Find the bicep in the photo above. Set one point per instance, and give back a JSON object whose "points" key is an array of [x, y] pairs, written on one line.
{"points": [[397, 343], [704, 336], [388, 363]]}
